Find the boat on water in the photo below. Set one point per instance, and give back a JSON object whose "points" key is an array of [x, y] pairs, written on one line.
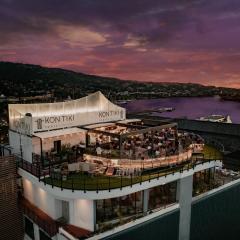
{"points": [[166, 109], [216, 118], [122, 102]]}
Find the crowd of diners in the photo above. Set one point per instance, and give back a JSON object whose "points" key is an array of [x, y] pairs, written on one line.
{"points": [[166, 142], [136, 145], [152, 144]]}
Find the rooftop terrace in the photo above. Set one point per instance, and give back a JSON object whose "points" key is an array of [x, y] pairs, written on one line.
{"points": [[82, 180]]}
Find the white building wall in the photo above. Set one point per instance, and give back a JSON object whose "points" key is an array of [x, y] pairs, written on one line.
{"points": [[18, 141], [41, 199], [27, 147], [82, 213], [14, 141]]}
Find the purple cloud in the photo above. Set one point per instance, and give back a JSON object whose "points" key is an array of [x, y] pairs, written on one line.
{"points": [[152, 40]]}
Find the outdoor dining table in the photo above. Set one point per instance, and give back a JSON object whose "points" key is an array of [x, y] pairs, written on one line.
{"points": [[56, 173]]}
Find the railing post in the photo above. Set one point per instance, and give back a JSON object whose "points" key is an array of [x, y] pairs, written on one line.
{"points": [[51, 181], [44, 178], [39, 175], [109, 184], [141, 179], [97, 184], [38, 172], [84, 184], [72, 186], [61, 183], [121, 182], [131, 180]]}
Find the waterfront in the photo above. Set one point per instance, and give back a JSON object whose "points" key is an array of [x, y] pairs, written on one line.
{"points": [[191, 108]]}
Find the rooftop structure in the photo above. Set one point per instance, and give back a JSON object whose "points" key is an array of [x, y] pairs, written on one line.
{"points": [[84, 165], [32, 118]]}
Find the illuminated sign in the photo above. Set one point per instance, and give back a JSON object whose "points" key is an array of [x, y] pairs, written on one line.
{"points": [[54, 120], [113, 113]]}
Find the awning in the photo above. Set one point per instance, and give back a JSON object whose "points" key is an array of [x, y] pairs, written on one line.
{"points": [[60, 132], [98, 125]]}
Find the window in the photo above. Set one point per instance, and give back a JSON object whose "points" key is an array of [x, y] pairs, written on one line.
{"points": [[29, 230], [57, 146], [43, 235]]}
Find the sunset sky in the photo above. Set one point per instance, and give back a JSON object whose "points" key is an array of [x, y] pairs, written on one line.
{"points": [[147, 40]]}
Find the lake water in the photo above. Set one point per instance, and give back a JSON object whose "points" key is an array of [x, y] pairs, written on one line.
{"points": [[190, 108]]}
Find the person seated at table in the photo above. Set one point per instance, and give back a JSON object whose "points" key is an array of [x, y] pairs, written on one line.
{"points": [[99, 150], [157, 153]]}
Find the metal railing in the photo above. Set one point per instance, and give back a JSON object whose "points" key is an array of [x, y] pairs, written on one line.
{"points": [[97, 183], [89, 182]]}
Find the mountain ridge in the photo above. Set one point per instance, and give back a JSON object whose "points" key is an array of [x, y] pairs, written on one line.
{"points": [[22, 80]]}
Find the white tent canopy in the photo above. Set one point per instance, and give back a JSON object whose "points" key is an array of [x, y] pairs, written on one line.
{"points": [[94, 108]]}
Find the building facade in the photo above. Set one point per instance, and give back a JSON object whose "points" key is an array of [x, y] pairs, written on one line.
{"points": [[86, 169], [10, 214]]}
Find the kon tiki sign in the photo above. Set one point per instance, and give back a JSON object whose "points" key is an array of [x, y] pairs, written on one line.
{"points": [[22, 126], [109, 114], [55, 120]]}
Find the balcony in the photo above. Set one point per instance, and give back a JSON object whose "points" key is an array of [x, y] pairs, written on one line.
{"points": [[49, 225], [39, 217], [91, 179]]}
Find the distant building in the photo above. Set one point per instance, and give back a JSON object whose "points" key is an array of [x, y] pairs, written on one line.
{"points": [[216, 118], [11, 222]]}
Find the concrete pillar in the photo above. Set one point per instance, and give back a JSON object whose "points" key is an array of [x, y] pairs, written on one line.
{"points": [[83, 213], [36, 232], [184, 196], [212, 172], [71, 212], [178, 191], [58, 208], [145, 200]]}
